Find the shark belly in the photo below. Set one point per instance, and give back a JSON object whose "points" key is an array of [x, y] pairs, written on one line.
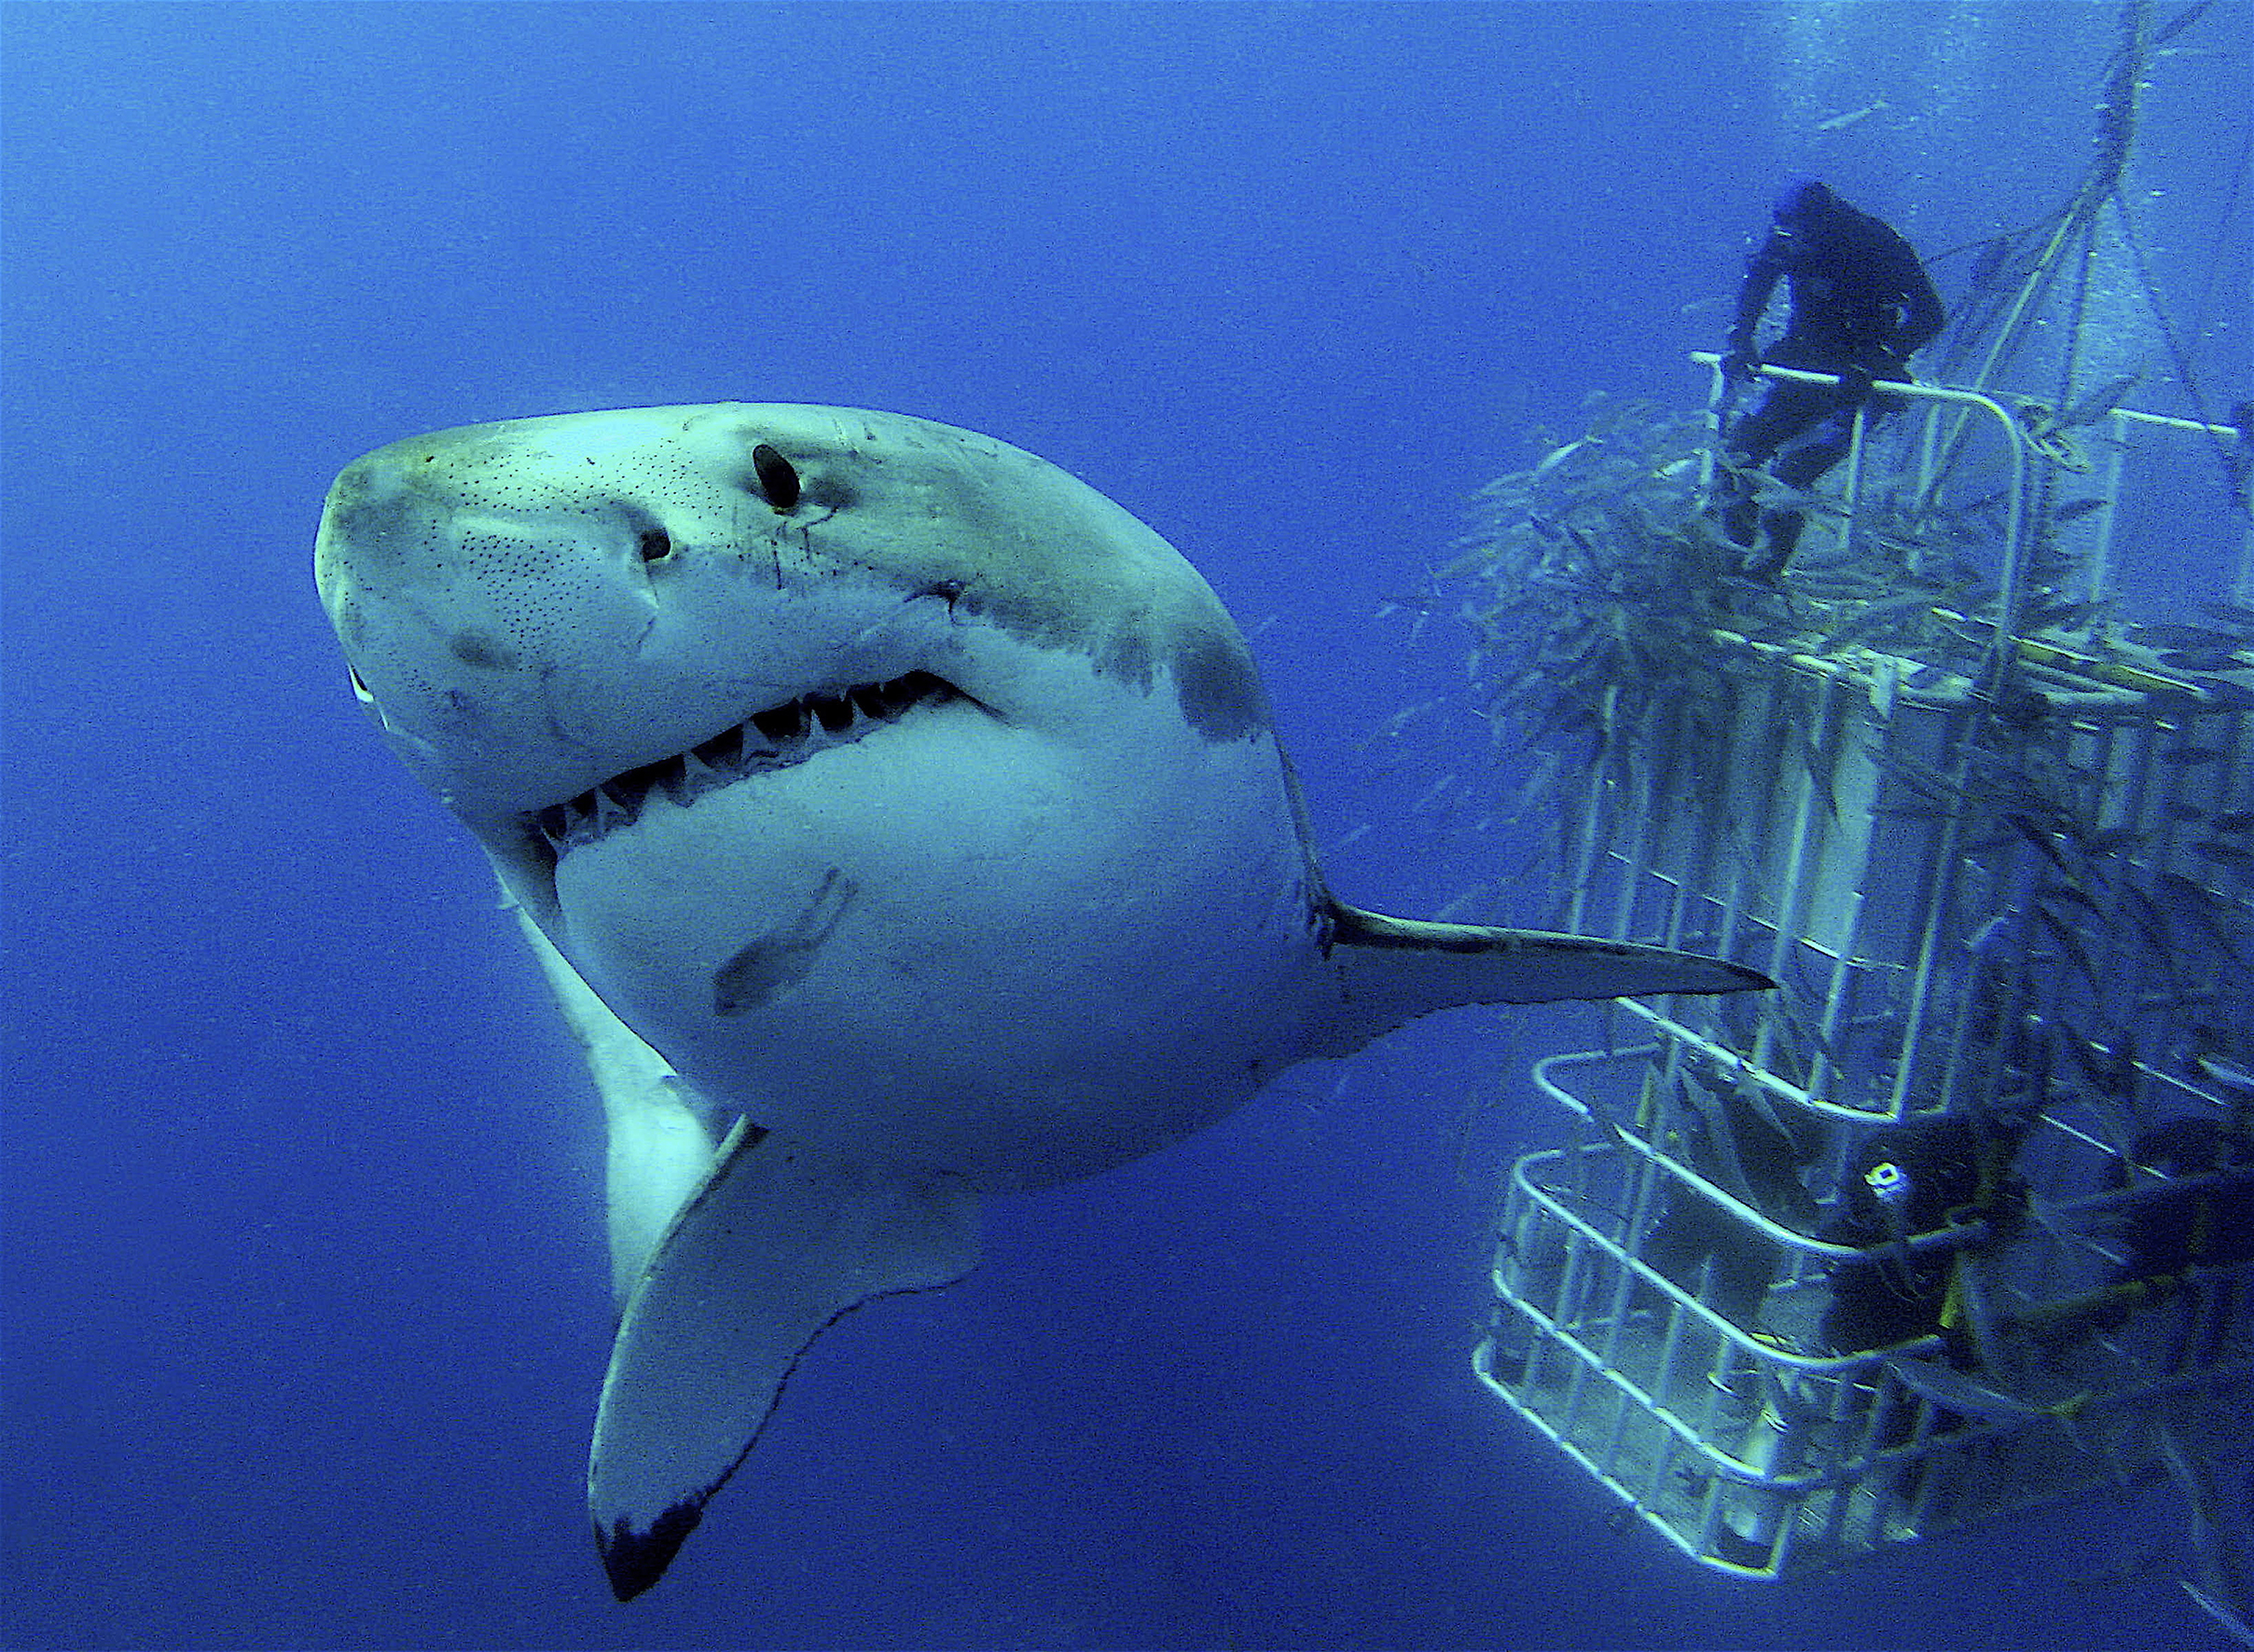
{"points": [[1053, 961]]}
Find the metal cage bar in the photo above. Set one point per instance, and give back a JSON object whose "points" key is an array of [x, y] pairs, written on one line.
{"points": [[1731, 1423]]}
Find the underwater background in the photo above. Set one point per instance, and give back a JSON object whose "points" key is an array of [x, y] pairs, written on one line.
{"points": [[305, 1297]]}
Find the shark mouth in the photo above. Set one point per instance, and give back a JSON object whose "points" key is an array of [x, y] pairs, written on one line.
{"points": [[781, 736]]}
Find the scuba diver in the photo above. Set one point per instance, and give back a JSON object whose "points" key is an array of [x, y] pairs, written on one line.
{"points": [[1860, 305], [1904, 1180]]}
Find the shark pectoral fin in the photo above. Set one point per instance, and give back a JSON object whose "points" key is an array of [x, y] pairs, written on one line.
{"points": [[661, 1146], [780, 1241], [1394, 970]]}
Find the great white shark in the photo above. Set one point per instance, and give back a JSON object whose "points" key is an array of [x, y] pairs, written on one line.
{"points": [[897, 819]]}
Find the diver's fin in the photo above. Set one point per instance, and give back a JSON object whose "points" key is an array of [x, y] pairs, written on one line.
{"points": [[781, 1240], [660, 1147], [1395, 970]]}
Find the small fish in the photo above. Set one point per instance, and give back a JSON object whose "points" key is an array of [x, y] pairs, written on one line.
{"points": [[2216, 1538], [2108, 1072], [1953, 1390], [1881, 615], [1721, 1137], [2200, 908], [2151, 920], [1990, 940], [2231, 1622], [2222, 691], [2043, 840], [2172, 636], [1434, 792], [2231, 1078], [1989, 267], [2100, 401], [2202, 659], [2113, 840], [1822, 772], [1390, 729], [2068, 617], [1841, 122], [2179, 23], [1809, 1033], [2069, 895], [1556, 456]]}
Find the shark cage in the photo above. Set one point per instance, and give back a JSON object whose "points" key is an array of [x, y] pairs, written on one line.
{"points": [[1960, 1220]]}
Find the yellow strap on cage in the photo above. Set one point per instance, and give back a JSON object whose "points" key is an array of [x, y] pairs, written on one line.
{"points": [[1995, 1169], [1952, 1305]]}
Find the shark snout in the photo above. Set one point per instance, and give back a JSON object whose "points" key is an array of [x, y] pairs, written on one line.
{"points": [[521, 658]]}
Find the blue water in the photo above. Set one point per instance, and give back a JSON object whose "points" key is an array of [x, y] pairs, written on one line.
{"points": [[305, 1300]]}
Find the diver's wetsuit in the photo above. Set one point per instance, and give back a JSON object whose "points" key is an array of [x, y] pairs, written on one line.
{"points": [[1862, 303], [1890, 1294]]}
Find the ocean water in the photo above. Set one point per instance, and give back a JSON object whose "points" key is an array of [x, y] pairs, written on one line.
{"points": [[305, 1300]]}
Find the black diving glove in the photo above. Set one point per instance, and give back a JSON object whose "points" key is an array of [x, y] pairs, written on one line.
{"points": [[1739, 364]]}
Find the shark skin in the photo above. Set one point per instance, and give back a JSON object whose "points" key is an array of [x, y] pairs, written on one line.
{"points": [[898, 821]]}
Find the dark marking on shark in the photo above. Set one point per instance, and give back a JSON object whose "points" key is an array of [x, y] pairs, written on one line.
{"points": [[829, 490], [473, 648], [765, 967], [635, 1560], [1218, 684]]}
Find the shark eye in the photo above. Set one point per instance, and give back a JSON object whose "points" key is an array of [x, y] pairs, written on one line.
{"points": [[777, 480], [655, 544]]}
